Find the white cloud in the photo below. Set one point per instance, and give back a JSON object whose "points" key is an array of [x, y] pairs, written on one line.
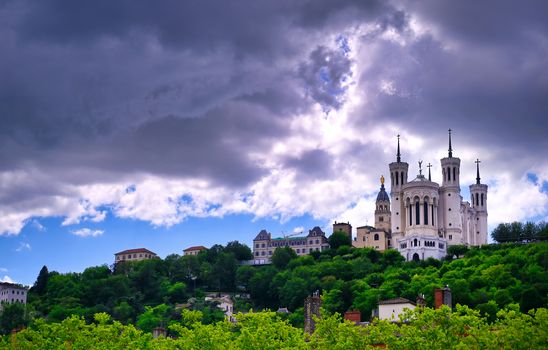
{"points": [[38, 226], [3, 269], [298, 229], [23, 246], [86, 232], [7, 279]]}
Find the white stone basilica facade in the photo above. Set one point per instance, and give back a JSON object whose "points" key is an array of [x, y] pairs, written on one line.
{"points": [[426, 217]]}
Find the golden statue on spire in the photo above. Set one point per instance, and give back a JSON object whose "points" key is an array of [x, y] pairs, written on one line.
{"points": [[382, 180]]}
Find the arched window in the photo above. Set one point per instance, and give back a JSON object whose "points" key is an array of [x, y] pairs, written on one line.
{"points": [[417, 213], [477, 198], [376, 237], [482, 199], [432, 214], [472, 199], [392, 177], [425, 212], [415, 242], [410, 215], [455, 174], [401, 174], [448, 174], [397, 183]]}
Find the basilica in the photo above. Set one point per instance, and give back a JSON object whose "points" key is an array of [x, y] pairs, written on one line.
{"points": [[421, 218]]}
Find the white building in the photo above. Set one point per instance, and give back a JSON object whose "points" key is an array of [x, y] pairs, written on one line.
{"points": [[426, 217], [264, 245], [391, 309], [12, 293], [224, 302]]}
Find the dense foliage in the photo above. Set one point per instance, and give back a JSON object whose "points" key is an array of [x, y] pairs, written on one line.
{"points": [[427, 329], [151, 293], [520, 232]]}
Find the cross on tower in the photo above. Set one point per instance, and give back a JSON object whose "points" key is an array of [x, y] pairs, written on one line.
{"points": [[429, 174]]}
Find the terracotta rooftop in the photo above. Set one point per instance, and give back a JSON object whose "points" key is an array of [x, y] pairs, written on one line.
{"points": [[197, 247], [138, 250]]}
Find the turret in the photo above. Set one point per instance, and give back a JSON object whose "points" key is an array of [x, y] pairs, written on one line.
{"points": [[478, 197], [398, 171], [450, 199], [382, 209], [398, 177], [450, 168]]}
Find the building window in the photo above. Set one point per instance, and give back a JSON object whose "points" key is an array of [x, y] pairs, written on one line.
{"points": [[449, 209], [397, 182], [482, 199], [402, 177], [298, 250], [262, 245], [448, 174], [432, 215], [364, 238], [256, 253], [449, 195], [381, 219], [317, 241], [410, 216], [450, 224], [263, 253], [270, 252], [450, 236], [455, 174], [376, 237], [425, 213], [417, 214]]}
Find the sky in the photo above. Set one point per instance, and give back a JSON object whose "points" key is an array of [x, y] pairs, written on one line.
{"points": [[127, 124]]}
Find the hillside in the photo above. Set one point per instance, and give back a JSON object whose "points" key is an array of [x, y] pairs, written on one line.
{"points": [[486, 278]]}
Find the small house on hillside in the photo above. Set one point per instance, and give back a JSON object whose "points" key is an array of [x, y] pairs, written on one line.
{"points": [[134, 255], [195, 250], [391, 309]]}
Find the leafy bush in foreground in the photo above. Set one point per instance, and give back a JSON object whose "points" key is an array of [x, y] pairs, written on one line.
{"points": [[427, 329]]}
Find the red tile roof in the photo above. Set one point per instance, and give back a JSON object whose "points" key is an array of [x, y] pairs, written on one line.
{"points": [[138, 250], [198, 247]]}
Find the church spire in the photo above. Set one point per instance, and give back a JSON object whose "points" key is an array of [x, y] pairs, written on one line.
{"points": [[477, 175], [450, 148], [398, 155]]}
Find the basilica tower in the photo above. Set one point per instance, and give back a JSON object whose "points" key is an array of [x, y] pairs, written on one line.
{"points": [[449, 210], [398, 177], [382, 209], [478, 196]]}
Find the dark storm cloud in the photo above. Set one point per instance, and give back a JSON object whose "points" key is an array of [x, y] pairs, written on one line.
{"points": [[313, 164], [94, 92], [488, 92], [326, 75]]}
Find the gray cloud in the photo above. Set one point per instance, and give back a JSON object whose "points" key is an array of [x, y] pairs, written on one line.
{"points": [[103, 91]]}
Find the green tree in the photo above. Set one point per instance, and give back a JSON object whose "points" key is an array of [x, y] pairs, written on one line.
{"points": [[282, 256], [457, 250], [13, 316], [241, 251], [338, 239], [41, 281]]}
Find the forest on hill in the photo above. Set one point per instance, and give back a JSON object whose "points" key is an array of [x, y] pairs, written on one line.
{"points": [[149, 293]]}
